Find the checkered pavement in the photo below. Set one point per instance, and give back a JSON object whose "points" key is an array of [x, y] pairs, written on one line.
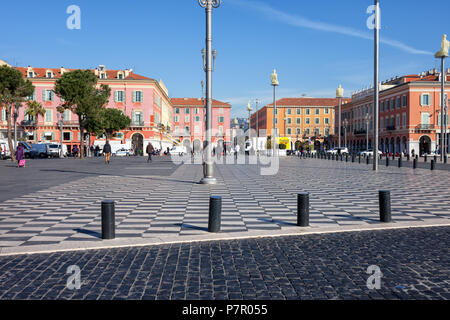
{"points": [[341, 194]]}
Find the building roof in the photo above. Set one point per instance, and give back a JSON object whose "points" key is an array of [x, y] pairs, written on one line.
{"points": [[309, 102], [41, 73], [196, 102]]}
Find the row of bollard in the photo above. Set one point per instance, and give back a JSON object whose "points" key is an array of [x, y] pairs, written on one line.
{"points": [[368, 158], [215, 213]]}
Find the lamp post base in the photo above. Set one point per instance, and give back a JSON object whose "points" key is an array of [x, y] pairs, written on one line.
{"points": [[206, 180]]}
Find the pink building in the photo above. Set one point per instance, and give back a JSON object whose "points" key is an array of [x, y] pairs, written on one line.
{"points": [[189, 123], [143, 99]]}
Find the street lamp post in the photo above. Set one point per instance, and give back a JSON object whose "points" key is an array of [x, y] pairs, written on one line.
{"points": [[339, 95], [16, 115], [257, 124], [61, 123], [345, 132], [275, 83], [208, 57], [367, 119], [376, 99], [249, 109], [442, 54]]}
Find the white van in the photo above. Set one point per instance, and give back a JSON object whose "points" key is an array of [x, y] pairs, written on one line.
{"points": [[178, 150], [5, 152]]}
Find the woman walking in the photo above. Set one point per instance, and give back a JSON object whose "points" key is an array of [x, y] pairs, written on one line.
{"points": [[20, 156]]}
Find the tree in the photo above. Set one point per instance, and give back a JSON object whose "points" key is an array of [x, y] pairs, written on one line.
{"points": [[82, 96], [35, 110], [113, 120], [13, 90]]}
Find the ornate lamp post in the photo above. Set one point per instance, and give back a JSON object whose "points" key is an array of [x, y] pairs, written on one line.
{"points": [[376, 90], [345, 132], [249, 109], [339, 95], [367, 119], [275, 83], [208, 67], [61, 123], [442, 54]]}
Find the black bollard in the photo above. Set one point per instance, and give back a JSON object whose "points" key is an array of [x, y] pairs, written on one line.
{"points": [[367, 160], [385, 205], [108, 220], [353, 158], [387, 162], [435, 158], [407, 157], [445, 158], [417, 156], [215, 210], [414, 163], [432, 165], [346, 158], [303, 209], [425, 158], [400, 162]]}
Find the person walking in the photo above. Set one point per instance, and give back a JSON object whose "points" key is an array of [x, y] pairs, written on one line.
{"points": [[107, 151], [75, 151], [20, 155], [97, 151], [149, 151], [237, 148]]}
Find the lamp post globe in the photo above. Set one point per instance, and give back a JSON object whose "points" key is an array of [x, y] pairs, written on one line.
{"points": [[275, 83]]}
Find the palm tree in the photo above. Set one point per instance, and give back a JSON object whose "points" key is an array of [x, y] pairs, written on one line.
{"points": [[34, 110]]}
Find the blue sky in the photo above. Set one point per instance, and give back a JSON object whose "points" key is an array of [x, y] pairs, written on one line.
{"points": [[314, 45]]}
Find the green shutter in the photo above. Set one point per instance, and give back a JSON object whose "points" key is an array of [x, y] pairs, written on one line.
{"points": [[142, 96], [53, 136], [43, 96], [134, 96], [133, 117], [116, 98]]}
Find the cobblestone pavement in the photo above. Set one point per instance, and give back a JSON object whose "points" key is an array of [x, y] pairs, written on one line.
{"points": [[415, 264], [172, 207]]}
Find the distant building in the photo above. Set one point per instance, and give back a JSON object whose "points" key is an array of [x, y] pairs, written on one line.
{"points": [[410, 115], [299, 120], [189, 122], [143, 99]]}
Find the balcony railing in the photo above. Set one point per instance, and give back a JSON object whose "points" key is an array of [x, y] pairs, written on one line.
{"points": [[137, 123], [361, 131], [425, 127], [28, 123], [390, 128], [70, 123]]}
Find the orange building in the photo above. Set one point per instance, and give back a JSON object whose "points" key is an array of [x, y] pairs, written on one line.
{"points": [[300, 119], [409, 119]]}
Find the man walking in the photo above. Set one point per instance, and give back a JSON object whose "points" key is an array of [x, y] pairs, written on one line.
{"points": [[107, 151], [149, 151]]}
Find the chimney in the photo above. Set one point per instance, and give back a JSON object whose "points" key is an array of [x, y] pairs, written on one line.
{"points": [[127, 73], [62, 70]]}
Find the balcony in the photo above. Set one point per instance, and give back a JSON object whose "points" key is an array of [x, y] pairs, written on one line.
{"points": [[28, 123], [70, 123], [359, 132], [390, 128], [425, 127], [137, 123]]}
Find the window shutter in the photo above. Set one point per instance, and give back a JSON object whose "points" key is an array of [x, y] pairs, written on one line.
{"points": [[133, 117], [142, 96], [43, 95], [71, 136], [134, 96], [115, 96], [53, 136]]}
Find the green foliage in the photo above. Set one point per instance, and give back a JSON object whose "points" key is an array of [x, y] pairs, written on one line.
{"points": [[13, 90], [113, 120], [34, 109], [81, 95]]}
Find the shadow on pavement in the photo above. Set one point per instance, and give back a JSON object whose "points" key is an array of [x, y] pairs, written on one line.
{"points": [[89, 232], [190, 226]]}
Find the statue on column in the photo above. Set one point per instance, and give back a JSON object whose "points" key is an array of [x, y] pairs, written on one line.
{"points": [[274, 78], [445, 45]]}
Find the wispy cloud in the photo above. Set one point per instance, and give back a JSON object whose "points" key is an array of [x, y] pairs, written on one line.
{"points": [[302, 22]]}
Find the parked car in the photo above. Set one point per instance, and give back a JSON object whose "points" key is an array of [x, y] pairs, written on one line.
{"points": [[335, 151], [123, 153], [54, 149], [178, 150], [369, 152], [39, 151]]}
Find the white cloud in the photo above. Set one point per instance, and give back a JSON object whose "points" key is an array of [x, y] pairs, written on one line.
{"points": [[302, 22]]}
